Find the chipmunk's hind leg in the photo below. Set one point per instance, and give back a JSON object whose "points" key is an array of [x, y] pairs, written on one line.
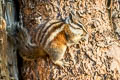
{"points": [[56, 53]]}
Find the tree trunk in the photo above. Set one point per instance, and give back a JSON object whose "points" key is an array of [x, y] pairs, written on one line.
{"points": [[4, 73], [8, 59], [96, 59]]}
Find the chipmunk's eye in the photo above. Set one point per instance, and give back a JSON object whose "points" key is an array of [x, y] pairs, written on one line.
{"points": [[38, 20]]}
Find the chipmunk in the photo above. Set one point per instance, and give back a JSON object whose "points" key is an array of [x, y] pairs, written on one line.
{"points": [[52, 39]]}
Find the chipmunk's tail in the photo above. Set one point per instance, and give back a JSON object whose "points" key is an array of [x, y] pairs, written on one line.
{"points": [[22, 37]]}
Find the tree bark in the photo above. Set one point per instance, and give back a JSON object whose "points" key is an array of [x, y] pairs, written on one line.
{"points": [[4, 73], [8, 58], [96, 60]]}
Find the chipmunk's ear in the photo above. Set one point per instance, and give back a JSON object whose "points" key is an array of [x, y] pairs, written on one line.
{"points": [[2, 23]]}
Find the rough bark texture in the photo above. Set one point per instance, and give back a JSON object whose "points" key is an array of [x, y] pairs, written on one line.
{"points": [[4, 73], [98, 59], [8, 59]]}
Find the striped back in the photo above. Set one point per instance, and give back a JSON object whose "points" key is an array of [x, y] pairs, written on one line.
{"points": [[52, 28], [49, 31]]}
